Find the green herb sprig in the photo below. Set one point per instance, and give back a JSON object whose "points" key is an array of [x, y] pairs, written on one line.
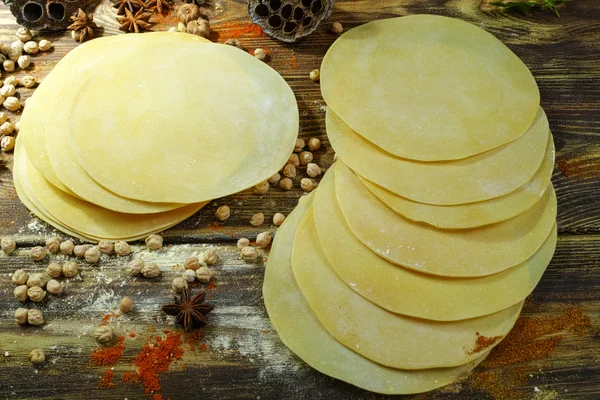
{"points": [[529, 6]]}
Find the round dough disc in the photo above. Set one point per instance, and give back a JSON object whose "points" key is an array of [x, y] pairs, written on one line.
{"points": [[208, 120], [301, 331], [408, 292], [429, 88], [482, 177], [472, 215], [389, 339], [453, 253]]}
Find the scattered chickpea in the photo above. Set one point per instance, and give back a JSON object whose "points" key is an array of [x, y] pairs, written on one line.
{"points": [[21, 316], [7, 90], [37, 356], [11, 80], [262, 188], [24, 34], [8, 245], [106, 246], [53, 244], [12, 104], [28, 81], [307, 184], [179, 284], [3, 117], [192, 263], [122, 248], [154, 242], [299, 146], [19, 277], [31, 47], [67, 247], [263, 240], [289, 171], [44, 45], [20, 293], [92, 255], [223, 213], [274, 179], [313, 170], [257, 219], [260, 54], [150, 271], [54, 287], [8, 65], [336, 28], [38, 279], [54, 270], [125, 305], [315, 75], [189, 275], [135, 267], [13, 55], [35, 317], [80, 250], [286, 184], [249, 254], [278, 219], [36, 294], [38, 253], [235, 43], [204, 274], [242, 242], [294, 160], [7, 128], [210, 256], [104, 334], [306, 157], [70, 269]]}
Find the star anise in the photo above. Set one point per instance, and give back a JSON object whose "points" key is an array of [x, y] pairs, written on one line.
{"points": [[189, 312], [134, 23], [83, 26], [131, 5], [157, 5]]}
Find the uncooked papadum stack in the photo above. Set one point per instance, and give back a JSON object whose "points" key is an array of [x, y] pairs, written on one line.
{"points": [[413, 257], [129, 135]]}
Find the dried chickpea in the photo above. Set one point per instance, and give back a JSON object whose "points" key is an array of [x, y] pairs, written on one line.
{"points": [[17, 46], [262, 188], [257, 219], [313, 170], [38, 253], [13, 55], [223, 213], [31, 47], [150, 271], [19, 277], [315, 75], [12, 104], [337, 28], [80, 250], [135, 267], [249, 254], [35, 317], [92, 255], [242, 242], [104, 334], [263, 240], [122, 248], [20, 293], [37, 356], [189, 275], [278, 219], [54, 287], [179, 284], [3, 117], [21, 316], [54, 270], [67, 247], [274, 179], [53, 245], [28, 81], [192, 263], [307, 184], [125, 305], [210, 256], [306, 157], [8, 245], [70, 269], [11, 80], [24, 34], [154, 242], [289, 171], [8, 65], [106, 246], [299, 146], [260, 54], [7, 128], [204, 274], [286, 183], [7, 91], [39, 279], [294, 160], [7, 143], [44, 45], [36, 293]]}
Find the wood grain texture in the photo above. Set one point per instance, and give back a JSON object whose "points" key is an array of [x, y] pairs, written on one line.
{"points": [[244, 358]]}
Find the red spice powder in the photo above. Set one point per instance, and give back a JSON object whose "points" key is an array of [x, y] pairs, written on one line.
{"points": [[483, 342], [203, 347], [192, 338], [237, 29], [108, 317], [107, 379], [211, 285], [108, 355], [132, 335]]}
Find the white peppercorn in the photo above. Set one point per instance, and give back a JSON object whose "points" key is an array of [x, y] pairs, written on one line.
{"points": [[242, 242], [31, 47], [249, 254], [12, 104], [53, 245], [24, 61], [179, 284], [106, 246], [122, 248], [20, 293], [262, 188], [313, 170], [8, 245], [67, 247], [189, 275], [28, 81], [44, 45], [289, 171], [54, 287], [104, 334], [150, 271], [263, 240], [70, 269], [21, 316], [8, 65], [257, 219], [19, 277], [306, 157], [154, 242], [7, 90], [37, 356], [24, 34], [125, 305], [204, 274], [274, 179], [278, 219], [35, 317], [38, 279], [210, 256], [36, 294], [38, 253], [299, 146], [92, 255], [54, 270], [135, 267], [80, 250], [223, 213]]}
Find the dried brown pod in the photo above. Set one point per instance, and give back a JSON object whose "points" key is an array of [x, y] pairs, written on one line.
{"points": [[289, 20], [44, 14]]}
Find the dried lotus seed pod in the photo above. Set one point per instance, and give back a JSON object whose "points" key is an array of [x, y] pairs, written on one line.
{"points": [[289, 20]]}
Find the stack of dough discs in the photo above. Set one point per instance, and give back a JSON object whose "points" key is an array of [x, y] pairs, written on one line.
{"points": [[129, 135], [413, 257]]}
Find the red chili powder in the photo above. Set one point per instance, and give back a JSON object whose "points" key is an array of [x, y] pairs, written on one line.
{"points": [[132, 335], [236, 29], [211, 285], [483, 342], [108, 355], [107, 379]]}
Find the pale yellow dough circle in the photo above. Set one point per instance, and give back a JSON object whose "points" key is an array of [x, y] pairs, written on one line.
{"points": [[429, 88], [301, 331], [482, 177], [389, 339], [184, 123], [454, 253], [404, 291], [472, 215], [87, 219]]}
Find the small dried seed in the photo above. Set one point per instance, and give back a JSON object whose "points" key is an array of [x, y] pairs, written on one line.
{"points": [[263, 240], [289, 171], [274, 179], [122, 248], [92, 255], [299, 146], [260, 54], [242, 242], [204, 274], [35, 317], [307, 184], [67, 247], [21, 316], [286, 184], [54, 287], [262, 188], [249, 254], [192, 263], [8, 245], [278, 219], [313, 170], [315, 75], [154, 242], [257, 219], [53, 244], [106, 246], [19, 277], [314, 144], [81, 249], [179, 284], [37, 356], [20, 293], [70, 269], [54, 270], [125, 305], [337, 28], [294, 160], [104, 334], [306, 157], [223, 213], [210, 256], [38, 253]]}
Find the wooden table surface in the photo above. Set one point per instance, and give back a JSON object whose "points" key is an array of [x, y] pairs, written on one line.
{"points": [[241, 356]]}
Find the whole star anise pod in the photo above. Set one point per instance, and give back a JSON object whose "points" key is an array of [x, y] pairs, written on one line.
{"points": [[131, 5], [83, 26], [157, 5], [189, 312], [134, 23]]}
